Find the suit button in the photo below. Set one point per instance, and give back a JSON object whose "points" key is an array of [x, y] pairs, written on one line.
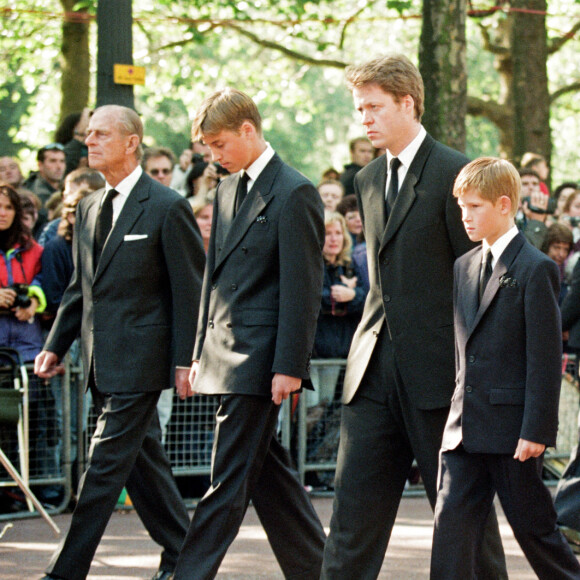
{"points": [[245, 250], [213, 286], [386, 262], [471, 358], [229, 324], [210, 323], [219, 249], [468, 389], [386, 298], [234, 287]]}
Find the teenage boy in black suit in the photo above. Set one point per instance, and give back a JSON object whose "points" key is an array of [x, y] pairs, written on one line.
{"points": [[260, 300], [504, 412]]}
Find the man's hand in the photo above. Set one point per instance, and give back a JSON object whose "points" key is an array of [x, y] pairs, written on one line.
{"points": [[46, 365], [283, 386], [527, 449], [184, 379], [539, 200]]}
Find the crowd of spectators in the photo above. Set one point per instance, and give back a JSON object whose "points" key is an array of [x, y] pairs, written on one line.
{"points": [[37, 215]]}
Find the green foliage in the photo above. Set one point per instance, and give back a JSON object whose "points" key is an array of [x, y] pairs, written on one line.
{"points": [[192, 47]]}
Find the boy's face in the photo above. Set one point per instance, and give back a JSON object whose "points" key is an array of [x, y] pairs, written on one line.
{"points": [[484, 220], [232, 150]]}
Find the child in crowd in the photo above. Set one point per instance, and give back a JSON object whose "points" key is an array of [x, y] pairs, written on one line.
{"points": [[504, 412]]}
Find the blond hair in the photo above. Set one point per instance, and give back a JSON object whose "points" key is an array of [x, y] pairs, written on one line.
{"points": [[492, 178], [225, 110], [393, 73], [331, 217]]}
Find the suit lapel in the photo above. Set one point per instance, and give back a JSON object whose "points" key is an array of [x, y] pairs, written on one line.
{"points": [[257, 199], [470, 291], [89, 226], [407, 195], [375, 218], [501, 268], [227, 201], [127, 218]]}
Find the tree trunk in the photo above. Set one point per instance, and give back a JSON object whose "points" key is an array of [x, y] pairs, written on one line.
{"points": [[530, 80], [76, 61], [442, 64]]}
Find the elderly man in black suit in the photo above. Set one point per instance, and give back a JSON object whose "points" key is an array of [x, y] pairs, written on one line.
{"points": [[400, 371], [134, 298], [260, 300]]}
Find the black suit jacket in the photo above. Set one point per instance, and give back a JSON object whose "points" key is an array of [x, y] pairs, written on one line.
{"points": [[411, 273], [137, 312], [508, 350], [263, 284]]}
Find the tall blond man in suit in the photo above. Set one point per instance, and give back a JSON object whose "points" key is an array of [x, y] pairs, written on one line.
{"points": [[134, 299], [261, 295], [400, 370]]}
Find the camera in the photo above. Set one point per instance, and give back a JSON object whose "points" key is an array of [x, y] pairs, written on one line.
{"points": [[22, 299], [552, 203], [573, 221]]}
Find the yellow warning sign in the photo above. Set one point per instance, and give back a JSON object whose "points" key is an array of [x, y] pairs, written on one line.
{"points": [[128, 74]]}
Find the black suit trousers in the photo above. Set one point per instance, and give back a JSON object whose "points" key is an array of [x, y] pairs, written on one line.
{"points": [[126, 451], [381, 433], [248, 463], [468, 484]]}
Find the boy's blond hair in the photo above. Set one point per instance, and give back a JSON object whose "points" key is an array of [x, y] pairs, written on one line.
{"points": [[393, 73], [492, 178], [225, 110]]}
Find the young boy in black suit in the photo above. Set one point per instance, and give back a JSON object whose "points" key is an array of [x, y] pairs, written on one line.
{"points": [[504, 412]]}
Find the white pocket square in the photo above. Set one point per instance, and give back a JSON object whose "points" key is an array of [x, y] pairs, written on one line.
{"points": [[133, 237]]}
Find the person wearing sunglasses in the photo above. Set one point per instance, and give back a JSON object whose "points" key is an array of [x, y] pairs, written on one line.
{"points": [[51, 168], [158, 163]]}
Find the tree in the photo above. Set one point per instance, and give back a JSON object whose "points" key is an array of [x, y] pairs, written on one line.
{"points": [[517, 37], [442, 62], [76, 58]]}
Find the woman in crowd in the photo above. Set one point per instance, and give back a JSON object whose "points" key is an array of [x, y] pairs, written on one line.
{"points": [[21, 300], [343, 299], [557, 245], [203, 212], [21, 296]]}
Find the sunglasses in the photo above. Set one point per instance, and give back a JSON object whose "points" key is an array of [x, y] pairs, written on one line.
{"points": [[53, 147], [156, 172]]}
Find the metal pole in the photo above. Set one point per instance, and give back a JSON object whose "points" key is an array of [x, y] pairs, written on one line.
{"points": [[115, 46]]}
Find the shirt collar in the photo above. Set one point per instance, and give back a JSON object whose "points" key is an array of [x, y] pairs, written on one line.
{"points": [[259, 165], [126, 186], [499, 246], [407, 155]]}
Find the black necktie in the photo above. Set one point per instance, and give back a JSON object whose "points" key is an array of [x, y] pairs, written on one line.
{"points": [[242, 190], [393, 184], [485, 273], [104, 224]]}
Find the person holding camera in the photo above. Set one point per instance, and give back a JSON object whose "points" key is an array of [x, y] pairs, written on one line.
{"points": [[536, 206], [21, 299], [21, 296]]}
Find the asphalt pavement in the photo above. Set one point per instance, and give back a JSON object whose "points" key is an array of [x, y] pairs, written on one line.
{"points": [[127, 553]]}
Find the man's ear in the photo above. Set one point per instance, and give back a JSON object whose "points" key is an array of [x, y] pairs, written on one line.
{"points": [[132, 143], [247, 129]]}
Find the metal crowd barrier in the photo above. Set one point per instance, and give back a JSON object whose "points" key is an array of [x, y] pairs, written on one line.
{"points": [[309, 427], [46, 460]]}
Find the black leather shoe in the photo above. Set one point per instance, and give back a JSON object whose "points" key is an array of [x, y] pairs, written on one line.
{"points": [[50, 577], [162, 575]]}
